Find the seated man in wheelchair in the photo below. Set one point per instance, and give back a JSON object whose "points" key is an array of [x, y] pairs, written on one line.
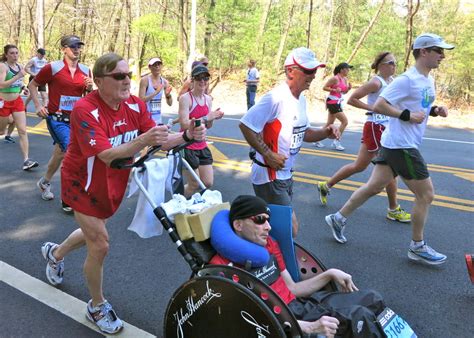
{"points": [[351, 313]]}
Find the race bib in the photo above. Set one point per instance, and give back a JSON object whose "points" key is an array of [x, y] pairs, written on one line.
{"points": [[17, 83], [394, 326], [155, 105], [66, 103], [2, 103], [297, 139], [380, 118]]}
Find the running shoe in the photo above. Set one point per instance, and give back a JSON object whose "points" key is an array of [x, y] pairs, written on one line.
{"points": [[337, 228], [323, 192], [427, 255], [399, 215], [54, 268], [66, 208], [9, 139], [45, 188], [319, 144], [29, 164], [104, 317], [337, 145]]}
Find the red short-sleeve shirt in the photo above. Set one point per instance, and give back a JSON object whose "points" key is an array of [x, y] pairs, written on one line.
{"points": [[279, 286], [88, 185]]}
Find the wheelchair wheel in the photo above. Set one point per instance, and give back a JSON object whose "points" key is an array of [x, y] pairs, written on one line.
{"points": [[214, 306]]}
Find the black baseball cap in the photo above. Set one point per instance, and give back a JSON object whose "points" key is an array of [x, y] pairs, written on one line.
{"points": [[41, 51], [199, 69], [70, 40]]}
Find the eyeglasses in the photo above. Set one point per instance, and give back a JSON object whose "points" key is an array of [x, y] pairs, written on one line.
{"points": [[391, 63], [119, 76], [156, 64], [259, 219], [201, 78], [75, 46], [436, 50], [307, 71]]}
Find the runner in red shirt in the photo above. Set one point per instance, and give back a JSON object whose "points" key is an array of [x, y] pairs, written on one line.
{"points": [[67, 80], [352, 312], [107, 124]]}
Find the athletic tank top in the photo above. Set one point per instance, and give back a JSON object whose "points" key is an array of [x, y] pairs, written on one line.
{"points": [[15, 87], [197, 111], [37, 64], [154, 105], [336, 97], [371, 98]]}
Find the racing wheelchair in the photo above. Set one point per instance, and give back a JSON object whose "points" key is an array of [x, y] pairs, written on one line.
{"points": [[227, 301]]}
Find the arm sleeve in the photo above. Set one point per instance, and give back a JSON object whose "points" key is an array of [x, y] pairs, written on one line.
{"points": [[396, 90], [44, 76], [261, 113]]}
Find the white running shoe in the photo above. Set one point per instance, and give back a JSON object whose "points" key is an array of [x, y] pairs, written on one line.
{"points": [[54, 268], [45, 188], [319, 144], [337, 145], [104, 317]]}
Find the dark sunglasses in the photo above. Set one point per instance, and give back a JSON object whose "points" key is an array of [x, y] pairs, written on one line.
{"points": [[75, 46], [259, 219], [156, 64], [307, 71], [436, 50], [201, 78], [391, 63], [119, 76]]}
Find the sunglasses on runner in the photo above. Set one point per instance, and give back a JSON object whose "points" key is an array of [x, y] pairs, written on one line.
{"points": [[436, 50], [307, 71], [201, 78], [119, 76], [259, 219], [75, 46], [391, 63]]}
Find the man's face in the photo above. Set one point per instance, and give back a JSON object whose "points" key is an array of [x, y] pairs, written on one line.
{"points": [[115, 86], [433, 56], [301, 78], [40, 56], [249, 228], [72, 52]]}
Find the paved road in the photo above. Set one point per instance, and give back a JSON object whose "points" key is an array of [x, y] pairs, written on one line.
{"points": [[141, 275]]}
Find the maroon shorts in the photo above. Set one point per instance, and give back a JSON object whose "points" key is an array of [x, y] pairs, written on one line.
{"points": [[9, 107], [371, 136]]}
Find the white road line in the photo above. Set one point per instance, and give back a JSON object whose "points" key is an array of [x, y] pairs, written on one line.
{"points": [[58, 300]]}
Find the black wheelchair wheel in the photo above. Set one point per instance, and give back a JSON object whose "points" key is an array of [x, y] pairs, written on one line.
{"points": [[214, 306]]}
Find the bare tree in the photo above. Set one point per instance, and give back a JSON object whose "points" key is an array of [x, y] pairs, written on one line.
{"points": [[409, 30], [263, 22], [308, 30], [209, 25], [283, 37]]}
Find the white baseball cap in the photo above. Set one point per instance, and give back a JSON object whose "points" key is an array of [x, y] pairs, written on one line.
{"points": [[304, 58], [153, 61], [427, 40]]}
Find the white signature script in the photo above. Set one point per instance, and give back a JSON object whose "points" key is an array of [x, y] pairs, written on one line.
{"points": [[120, 123], [262, 330], [192, 306]]}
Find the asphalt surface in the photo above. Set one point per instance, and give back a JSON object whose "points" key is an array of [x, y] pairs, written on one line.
{"points": [[141, 275]]}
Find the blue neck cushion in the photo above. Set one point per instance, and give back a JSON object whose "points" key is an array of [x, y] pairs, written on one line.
{"points": [[234, 248]]}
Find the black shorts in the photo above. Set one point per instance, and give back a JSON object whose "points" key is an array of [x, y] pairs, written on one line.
{"points": [[408, 163], [196, 158], [40, 88], [278, 192], [333, 108]]}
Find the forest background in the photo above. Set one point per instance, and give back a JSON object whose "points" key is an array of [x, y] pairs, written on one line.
{"points": [[229, 32]]}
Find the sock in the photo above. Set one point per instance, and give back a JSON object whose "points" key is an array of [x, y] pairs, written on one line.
{"points": [[417, 244], [394, 209], [340, 218]]}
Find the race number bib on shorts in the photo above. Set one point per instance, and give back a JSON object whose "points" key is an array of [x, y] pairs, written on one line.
{"points": [[297, 139], [155, 105], [67, 102], [380, 118], [2, 103]]}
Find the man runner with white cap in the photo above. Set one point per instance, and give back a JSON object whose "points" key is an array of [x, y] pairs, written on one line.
{"points": [[277, 126], [152, 89], [408, 100]]}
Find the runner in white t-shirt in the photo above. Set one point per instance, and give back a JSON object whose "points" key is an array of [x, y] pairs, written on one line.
{"points": [[408, 101], [277, 126]]}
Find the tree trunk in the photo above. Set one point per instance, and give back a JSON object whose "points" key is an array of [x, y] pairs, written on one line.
{"points": [[209, 25], [283, 38], [329, 33], [17, 25], [192, 35], [165, 11], [409, 30], [128, 30], [365, 33], [40, 23], [115, 32], [310, 16], [263, 22]]}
